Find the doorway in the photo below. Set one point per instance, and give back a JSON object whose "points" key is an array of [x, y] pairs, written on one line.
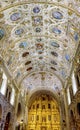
{"points": [[7, 123]]}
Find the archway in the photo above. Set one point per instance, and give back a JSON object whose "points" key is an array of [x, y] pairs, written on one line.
{"points": [[19, 116], [7, 123], [19, 112], [43, 113], [0, 112], [78, 108]]}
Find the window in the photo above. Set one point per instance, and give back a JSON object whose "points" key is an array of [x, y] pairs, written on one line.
{"points": [[68, 96], [74, 84]]}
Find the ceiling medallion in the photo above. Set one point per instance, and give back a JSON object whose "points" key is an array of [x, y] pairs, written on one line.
{"points": [[67, 57], [53, 68], [28, 62], [15, 16], [54, 53], [30, 68], [55, 44], [38, 30], [1, 33], [53, 62], [57, 15], [25, 54], [39, 46], [76, 36], [37, 20], [56, 30], [36, 9], [19, 31], [23, 45]]}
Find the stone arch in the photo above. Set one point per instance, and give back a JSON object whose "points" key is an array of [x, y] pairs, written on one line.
{"points": [[38, 91], [7, 122]]}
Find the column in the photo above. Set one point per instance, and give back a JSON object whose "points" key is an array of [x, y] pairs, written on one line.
{"points": [[66, 109], [4, 85]]}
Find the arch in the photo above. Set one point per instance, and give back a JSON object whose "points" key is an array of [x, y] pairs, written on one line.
{"points": [[19, 112], [0, 111], [78, 108], [8, 118], [39, 91]]}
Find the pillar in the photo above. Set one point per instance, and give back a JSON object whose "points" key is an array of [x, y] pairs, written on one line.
{"points": [[66, 109]]}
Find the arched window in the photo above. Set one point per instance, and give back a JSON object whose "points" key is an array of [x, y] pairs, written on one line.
{"points": [[12, 99], [68, 96], [74, 84], [78, 108], [4, 84]]}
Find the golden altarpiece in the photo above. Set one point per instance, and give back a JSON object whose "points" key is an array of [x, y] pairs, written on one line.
{"points": [[44, 114]]}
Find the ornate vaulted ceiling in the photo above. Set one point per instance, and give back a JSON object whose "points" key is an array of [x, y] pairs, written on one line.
{"points": [[39, 39]]}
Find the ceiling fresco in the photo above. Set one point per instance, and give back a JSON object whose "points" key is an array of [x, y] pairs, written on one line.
{"points": [[39, 36]]}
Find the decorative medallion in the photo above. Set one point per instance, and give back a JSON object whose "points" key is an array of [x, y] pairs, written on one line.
{"points": [[55, 44], [36, 9], [56, 30], [28, 62], [53, 62], [76, 36], [63, 73], [19, 31], [15, 16], [40, 51], [1, 33], [54, 53], [39, 46], [57, 15], [67, 57], [37, 20], [38, 30], [25, 54], [30, 68], [23, 44], [53, 68]]}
